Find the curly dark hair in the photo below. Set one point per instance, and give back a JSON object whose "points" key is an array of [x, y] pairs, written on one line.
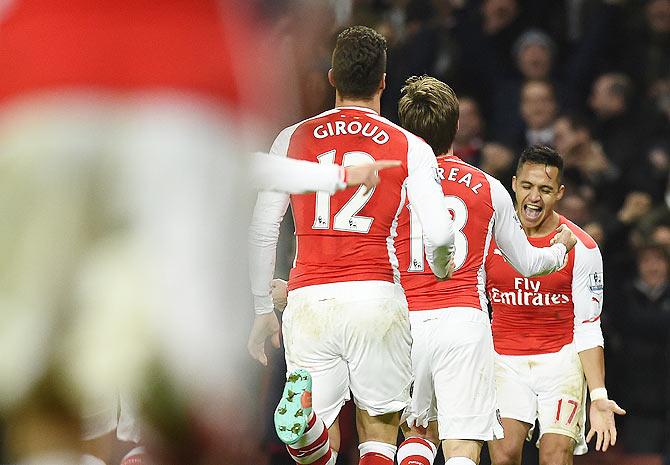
{"points": [[541, 155], [359, 62]]}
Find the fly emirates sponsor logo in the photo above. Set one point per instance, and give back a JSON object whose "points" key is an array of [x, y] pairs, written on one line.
{"points": [[527, 292]]}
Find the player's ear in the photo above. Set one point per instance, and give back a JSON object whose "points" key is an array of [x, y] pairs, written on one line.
{"points": [[561, 191], [382, 84], [514, 184], [331, 78]]}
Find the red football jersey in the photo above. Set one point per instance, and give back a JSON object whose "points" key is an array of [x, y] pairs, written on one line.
{"points": [[349, 235], [542, 314], [468, 196], [192, 46]]}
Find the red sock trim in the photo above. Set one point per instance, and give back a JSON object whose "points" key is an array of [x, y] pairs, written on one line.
{"points": [[310, 448], [415, 460], [324, 459], [311, 422], [421, 441], [375, 458]]}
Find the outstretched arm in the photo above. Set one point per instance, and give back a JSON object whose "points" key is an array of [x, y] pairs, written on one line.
{"points": [[587, 296], [601, 413], [272, 172]]}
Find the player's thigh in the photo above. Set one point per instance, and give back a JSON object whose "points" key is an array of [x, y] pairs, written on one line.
{"points": [[377, 349], [334, 435], [422, 409], [507, 451], [462, 448], [381, 428], [463, 376], [561, 390], [311, 343], [556, 449]]}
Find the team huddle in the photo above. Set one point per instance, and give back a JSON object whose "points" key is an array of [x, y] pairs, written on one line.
{"points": [[389, 294]]}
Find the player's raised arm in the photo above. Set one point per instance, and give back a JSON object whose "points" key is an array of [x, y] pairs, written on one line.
{"points": [[272, 172], [513, 243], [427, 199], [587, 295]]}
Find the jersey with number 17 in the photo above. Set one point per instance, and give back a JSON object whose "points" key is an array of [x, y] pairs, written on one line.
{"points": [[349, 236]]}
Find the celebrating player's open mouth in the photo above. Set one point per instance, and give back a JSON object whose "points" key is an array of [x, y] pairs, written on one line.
{"points": [[532, 212]]}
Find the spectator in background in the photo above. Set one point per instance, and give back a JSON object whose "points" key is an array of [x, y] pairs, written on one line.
{"points": [[533, 54], [641, 313], [621, 234], [468, 140], [489, 29], [498, 161], [585, 161], [661, 235], [538, 110], [575, 207], [614, 125], [646, 55]]}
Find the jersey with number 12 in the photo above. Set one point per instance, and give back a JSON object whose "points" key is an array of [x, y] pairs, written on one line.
{"points": [[349, 236]]}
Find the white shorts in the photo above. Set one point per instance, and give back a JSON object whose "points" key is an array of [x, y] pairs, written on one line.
{"points": [[550, 388], [351, 336], [452, 363], [118, 413]]}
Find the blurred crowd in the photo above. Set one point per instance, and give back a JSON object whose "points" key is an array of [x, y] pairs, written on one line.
{"points": [[592, 79]]}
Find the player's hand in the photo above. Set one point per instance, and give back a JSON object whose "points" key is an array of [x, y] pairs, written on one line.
{"points": [[368, 174], [601, 417], [635, 206], [564, 236], [450, 269], [279, 294], [265, 326]]}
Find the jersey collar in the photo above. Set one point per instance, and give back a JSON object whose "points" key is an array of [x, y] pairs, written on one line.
{"points": [[353, 107]]}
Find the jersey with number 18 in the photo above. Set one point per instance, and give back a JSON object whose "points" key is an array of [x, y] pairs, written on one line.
{"points": [[481, 210]]}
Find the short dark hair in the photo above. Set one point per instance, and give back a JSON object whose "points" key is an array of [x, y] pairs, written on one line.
{"points": [[429, 108], [541, 155], [359, 62]]}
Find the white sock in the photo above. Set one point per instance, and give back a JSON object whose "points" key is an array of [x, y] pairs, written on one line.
{"points": [[387, 450], [460, 461], [88, 459], [416, 451]]}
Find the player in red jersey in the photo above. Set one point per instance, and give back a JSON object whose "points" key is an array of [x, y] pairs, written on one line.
{"points": [[452, 353], [346, 323], [546, 330]]}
